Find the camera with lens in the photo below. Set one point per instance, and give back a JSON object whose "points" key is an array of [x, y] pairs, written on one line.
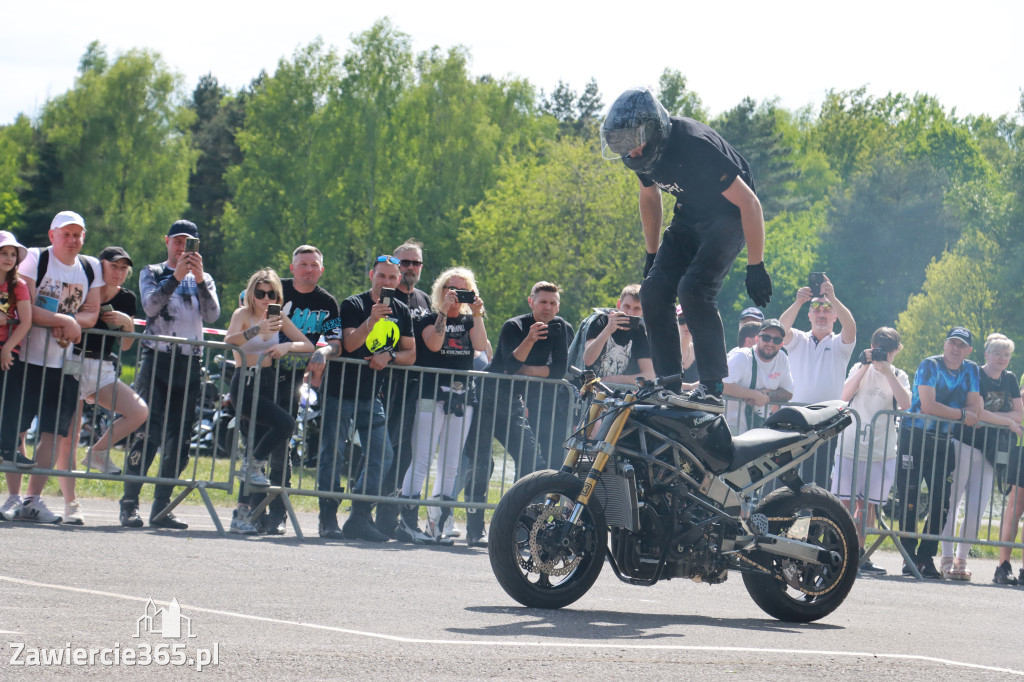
{"points": [[873, 355]]}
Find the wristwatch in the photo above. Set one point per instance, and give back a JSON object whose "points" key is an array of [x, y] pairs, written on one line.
{"points": [[392, 353]]}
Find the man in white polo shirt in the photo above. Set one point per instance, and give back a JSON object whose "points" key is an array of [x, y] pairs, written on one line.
{"points": [[819, 359]]}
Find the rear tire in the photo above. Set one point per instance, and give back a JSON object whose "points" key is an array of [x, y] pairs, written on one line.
{"points": [[819, 590], [539, 558]]}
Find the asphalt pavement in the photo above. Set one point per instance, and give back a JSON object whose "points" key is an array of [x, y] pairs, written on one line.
{"points": [[275, 607]]}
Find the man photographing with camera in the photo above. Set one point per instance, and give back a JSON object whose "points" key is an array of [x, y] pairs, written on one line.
{"points": [[819, 357], [617, 347]]}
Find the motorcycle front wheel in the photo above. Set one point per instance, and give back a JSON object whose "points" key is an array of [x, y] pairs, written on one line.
{"points": [[540, 558], [798, 591]]}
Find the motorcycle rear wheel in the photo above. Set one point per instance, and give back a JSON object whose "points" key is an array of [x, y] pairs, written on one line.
{"points": [[538, 557], [819, 590]]}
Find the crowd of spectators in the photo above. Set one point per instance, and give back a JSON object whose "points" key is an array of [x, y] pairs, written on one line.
{"points": [[963, 425]]}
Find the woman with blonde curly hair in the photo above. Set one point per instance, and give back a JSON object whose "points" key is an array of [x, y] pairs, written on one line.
{"points": [[451, 333]]}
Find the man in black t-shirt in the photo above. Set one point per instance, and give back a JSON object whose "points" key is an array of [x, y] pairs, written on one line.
{"points": [[377, 333], [404, 389], [617, 348], [716, 211]]}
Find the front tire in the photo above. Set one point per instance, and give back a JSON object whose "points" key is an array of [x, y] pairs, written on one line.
{"points": [[794, 590], [539, 558]]}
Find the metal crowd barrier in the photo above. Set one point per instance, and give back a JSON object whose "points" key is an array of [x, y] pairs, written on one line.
{"points": [[972, 491], [493, 411], [92, 420]]}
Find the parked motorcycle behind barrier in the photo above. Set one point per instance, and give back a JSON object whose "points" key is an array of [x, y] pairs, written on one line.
{"points": [[674, 492], [215, 415], [304, 447]]}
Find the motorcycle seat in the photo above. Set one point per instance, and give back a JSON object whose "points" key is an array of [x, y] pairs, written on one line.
{"points": [[754, 443], [806, 418]]}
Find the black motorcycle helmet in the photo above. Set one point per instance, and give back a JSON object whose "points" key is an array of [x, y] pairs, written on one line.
{"points": [[634, 119]]}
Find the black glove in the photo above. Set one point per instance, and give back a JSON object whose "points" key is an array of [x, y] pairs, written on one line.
{"points": [[759, 285], [648, 263]]}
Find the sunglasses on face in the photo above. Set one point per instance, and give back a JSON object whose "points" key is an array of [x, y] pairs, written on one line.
{"points": [[768, 338], [818, 304], [388, 259], [260, 293], [406, 263]]}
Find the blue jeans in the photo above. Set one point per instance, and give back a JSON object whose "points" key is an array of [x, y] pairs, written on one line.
{"points": [[370, 423]]}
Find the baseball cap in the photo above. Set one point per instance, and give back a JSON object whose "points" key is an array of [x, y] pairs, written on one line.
{"points": [[115, 253], [185, 227], [962, 334], [752, 312], [772, 324], [65, 218], [8, 239]]}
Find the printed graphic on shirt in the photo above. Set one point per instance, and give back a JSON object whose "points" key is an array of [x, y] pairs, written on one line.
{"points": [[615, 359], [308, 321], [6, 304], [60, 297]]}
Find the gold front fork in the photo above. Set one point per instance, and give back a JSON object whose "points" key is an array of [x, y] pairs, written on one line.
{"points": [[605, 450]]}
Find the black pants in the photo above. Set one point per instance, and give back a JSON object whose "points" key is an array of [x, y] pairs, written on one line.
{"points": [[403, 394], [500, 414], [548, 412], [170, 384], [273, 429], [923, 456], [691, 264], [12, 404]]}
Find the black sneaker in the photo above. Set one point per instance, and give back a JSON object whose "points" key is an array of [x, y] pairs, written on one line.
{"points": [[273, 523], [23, 462], [926, 566], [476, 538], [1004, 575], [360, 527], [170, 521], [868, 568], [699, 399], [130, 515]]}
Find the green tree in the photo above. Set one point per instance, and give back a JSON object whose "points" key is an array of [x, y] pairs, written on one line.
{"points": [[557, 214], [677, 98], [15, 157], [121, 140]]}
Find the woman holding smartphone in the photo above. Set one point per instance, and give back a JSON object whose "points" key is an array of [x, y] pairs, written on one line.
{"points": [[256, 327]]}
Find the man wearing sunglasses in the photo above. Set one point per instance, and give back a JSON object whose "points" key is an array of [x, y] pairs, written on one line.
{"points": [[819, 359], [757, 376], [179, 298], [403, 391], [377, 333]]}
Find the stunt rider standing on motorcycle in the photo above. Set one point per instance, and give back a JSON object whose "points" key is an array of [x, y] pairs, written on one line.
{"points": [[716, 211]]}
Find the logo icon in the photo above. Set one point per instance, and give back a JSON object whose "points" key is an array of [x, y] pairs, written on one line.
{"points": [[166, 622]]}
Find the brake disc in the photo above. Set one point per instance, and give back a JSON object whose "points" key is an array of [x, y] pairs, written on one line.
{"points": [[551, 567]]}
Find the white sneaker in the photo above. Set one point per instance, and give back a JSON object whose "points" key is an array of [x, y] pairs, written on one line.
{"points": [[36, 510], [241, 524], [252, 473], [449, 530], [100, 461], [11, 508], [73, 514]]}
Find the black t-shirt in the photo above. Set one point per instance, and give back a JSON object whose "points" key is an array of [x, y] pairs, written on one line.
{"points": [[314, 314], [418, 302], [696, 167], [456, 350], [552, 352], [622, 350], [998, 395], [384, 336], [106, 346]]}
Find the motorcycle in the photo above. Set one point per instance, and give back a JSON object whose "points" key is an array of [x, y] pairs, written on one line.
{"points": [[663, 491], [215, 425]]}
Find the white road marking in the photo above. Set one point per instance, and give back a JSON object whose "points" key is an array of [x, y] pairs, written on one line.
{"points": [[517, 644]]}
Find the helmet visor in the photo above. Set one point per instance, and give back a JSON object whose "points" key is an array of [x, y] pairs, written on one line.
{"points": [[619, 142]]}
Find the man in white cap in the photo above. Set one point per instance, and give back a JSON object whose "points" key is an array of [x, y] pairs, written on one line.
{"points": [[179, 297], [65, 290]]}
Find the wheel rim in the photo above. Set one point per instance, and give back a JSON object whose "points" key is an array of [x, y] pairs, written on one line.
{"points": [[550, 551], [809, 582]]}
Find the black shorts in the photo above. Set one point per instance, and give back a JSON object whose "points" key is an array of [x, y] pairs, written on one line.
{"points": [[1015, 466], [53, 398]]}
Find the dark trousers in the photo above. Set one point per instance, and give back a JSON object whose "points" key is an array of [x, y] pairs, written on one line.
{"points": [[923, 455], [273, 428], [500, 414], [12, 405], [170, 384], [691, 264], [402, 399], [547, 408]]}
